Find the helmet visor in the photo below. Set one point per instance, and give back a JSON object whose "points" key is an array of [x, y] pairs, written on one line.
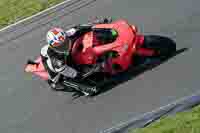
{"points": [[64, 47]]}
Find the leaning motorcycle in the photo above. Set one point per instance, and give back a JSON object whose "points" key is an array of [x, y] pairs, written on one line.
{"points": [[118, 54]]}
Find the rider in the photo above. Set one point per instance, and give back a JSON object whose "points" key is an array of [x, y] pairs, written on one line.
{"points": [[56, 55]]}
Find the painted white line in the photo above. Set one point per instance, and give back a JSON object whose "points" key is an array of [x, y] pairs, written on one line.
{"points": [[37, 14], [122, 124]]}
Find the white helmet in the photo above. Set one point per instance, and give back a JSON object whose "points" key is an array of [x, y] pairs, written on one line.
{"points": [[58, 40], [56, 37]]}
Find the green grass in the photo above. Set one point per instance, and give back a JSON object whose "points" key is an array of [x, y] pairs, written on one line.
{"points": [[12, 11], [183, 122]]}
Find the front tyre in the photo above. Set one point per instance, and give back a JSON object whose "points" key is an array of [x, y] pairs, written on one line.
{"points": [[163, 46]]}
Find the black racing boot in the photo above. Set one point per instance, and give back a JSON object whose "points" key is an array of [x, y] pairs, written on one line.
{"points": [[56, 86], [102, 20], [108, 20], [87, 90]]}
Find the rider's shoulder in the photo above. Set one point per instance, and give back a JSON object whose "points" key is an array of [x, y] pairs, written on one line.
{"points": [[44, 50]]}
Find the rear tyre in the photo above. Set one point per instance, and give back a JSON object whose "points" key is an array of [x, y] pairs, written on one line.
{"points": [[163, 46]]}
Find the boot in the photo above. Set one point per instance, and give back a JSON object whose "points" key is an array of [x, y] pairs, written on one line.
{"points": [[102, 20], [55, 86]]}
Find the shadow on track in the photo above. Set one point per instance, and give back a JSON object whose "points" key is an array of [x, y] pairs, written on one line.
{"points": [[134, 72], [131, 73]]}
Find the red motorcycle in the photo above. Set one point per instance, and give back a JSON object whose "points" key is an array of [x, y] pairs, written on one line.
{"points": [[118, 48]]}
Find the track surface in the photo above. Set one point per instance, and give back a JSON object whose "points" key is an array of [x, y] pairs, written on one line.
{"points": [[28, 106]]}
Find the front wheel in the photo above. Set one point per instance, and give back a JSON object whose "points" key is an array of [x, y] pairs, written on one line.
{"points": [[163, 46]]}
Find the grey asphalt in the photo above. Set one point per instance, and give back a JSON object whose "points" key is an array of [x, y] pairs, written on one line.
{"points": [[27, 105]]}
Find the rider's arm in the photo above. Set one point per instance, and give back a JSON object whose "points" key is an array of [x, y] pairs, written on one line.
{"points": [[53, 75], [59, 65], [50, 60], [44, 56]]}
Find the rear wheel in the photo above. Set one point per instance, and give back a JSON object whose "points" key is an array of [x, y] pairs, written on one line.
{"points": [[163, 46]]}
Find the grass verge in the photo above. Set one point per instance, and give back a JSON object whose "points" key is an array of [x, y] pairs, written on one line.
{"points": [[182, 122], [12, 11]]}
